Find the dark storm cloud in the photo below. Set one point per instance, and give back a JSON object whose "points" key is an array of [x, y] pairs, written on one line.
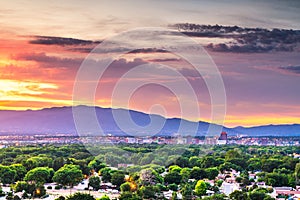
{"points": [[49, 40], [244, 40]]}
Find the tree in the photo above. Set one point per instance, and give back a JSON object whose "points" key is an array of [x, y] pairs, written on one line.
{"points": [[173, 187], [211, 173], [20, 186], [182, 161], [198, 173], [94, 182], [39, 191], [270, 164], [60, 198], [297, 172], [16, 197], [227, 166], [289, 162], [118, 178], [241, 162], [161, 187], [38, 175], [125, 187], [175, 168], [149, 192], [187, 192], [194, 161], [276, 179], [105, 174], [29, 188], [219, 182], [129, 196], [104, 198], [68, 175], [254, 164], [20, 171], [268, 197], [257, 195], [185, 174], [9, 196], [80, 196], [173, 177], [215, 197], [158, 168], [80, 155], [291, 180], [38, 161], [58, 163], [82, 166], [238, 195], [200, 188], [233, 153], [113, 160], [208, 161], [7, 174], [96, 165], [174, 196]]}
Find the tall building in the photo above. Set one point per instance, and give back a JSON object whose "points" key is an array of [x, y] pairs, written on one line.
{"points": [[222, 139], [223, 136]]}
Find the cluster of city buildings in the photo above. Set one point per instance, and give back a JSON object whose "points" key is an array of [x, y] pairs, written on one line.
{"points": [[222, 139]]}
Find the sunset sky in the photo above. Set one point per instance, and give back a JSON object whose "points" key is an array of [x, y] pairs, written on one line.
{"points": [[43, 43]]}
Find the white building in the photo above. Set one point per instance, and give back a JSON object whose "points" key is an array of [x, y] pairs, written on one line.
{"points": [[221, 142], [228, 188]]}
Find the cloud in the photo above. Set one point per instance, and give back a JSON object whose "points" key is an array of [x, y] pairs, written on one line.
{"points": [[292, 69], [50, 61], [149, 50], [245, 40], [62, 41], [165, 60], [247, 48], [82, 49], [115, 50], [119, 67]]}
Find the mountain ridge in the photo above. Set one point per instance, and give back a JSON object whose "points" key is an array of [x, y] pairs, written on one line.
{"points": [[60, 120]]}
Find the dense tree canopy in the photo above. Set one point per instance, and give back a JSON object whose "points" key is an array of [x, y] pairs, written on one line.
{"points": [[94, 182], [39, 175], [7, 174], [68, 175], [177, 167], [200, 188], [80, 196], [118, 178]]}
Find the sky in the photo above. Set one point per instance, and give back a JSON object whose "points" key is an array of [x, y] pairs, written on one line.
{"points": [[43, 45]]}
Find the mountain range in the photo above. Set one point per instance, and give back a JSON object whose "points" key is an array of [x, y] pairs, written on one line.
{"points": [[61, 120]]}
